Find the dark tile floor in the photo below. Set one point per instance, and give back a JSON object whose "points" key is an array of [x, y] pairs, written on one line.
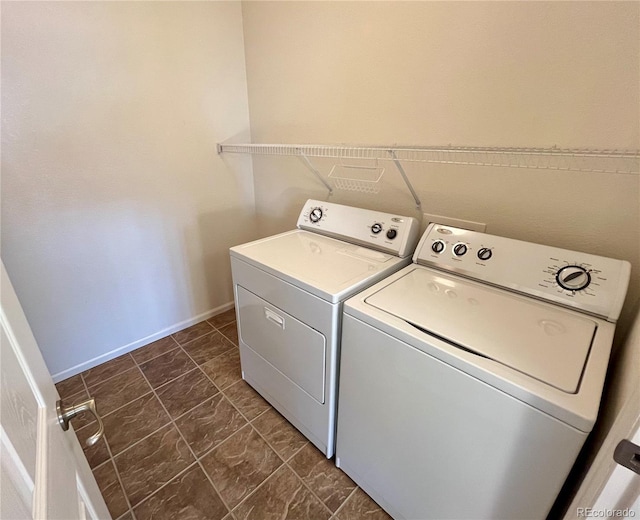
{"points": [[187, 438]]}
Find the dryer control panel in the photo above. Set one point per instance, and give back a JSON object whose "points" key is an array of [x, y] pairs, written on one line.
{"points": [[593, 284], [386, 232]]}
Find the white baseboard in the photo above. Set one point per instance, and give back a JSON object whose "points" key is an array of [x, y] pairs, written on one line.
{"points": [[61, 376]]}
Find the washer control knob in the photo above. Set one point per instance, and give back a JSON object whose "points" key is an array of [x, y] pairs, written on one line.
{"points": [[573, 278], [438, 246], [376, 228], [459, 249], [391, 234], [315, 215], [484, 253]]}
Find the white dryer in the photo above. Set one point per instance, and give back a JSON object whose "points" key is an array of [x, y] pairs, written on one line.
{"points": [[289, 290], [470, 379]]}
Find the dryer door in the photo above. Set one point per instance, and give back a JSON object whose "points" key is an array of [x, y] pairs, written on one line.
{"points": [[295, 349]]}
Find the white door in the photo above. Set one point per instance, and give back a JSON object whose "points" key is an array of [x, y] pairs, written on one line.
{"points": [[622, 490], [44, 472], [610, 490]]}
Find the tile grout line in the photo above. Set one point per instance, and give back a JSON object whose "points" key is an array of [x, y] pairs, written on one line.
{"points": [[199, 459], [305, 484], [206, 453], [115, 466], [223, 325], [124, 493], [130, 401], [196, 459], [228, 338], [154, 357], [284, 462], [346, 499], [138, 363], [172, 422], [110, 459], [197, 337], [137, 442], [177, 343], [153, 391], [108, 378], [182, 472], [185, 373], [210, 333], [259, 485], [73, 397]]}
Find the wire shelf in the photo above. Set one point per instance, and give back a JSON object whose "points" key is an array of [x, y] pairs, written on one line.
{"points": [[363, 178], [580, 160]]}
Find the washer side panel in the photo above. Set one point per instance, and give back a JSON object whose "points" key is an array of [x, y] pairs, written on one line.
{"points": [[431, 441]]}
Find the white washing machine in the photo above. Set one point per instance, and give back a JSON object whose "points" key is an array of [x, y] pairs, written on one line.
{"points": [[289, 290], [470, 379]]}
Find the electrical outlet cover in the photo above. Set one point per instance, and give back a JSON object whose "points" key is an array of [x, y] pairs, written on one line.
{"points": [[454, 222]]}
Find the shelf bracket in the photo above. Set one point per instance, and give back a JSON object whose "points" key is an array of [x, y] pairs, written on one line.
{"points": [[406, 179], [311, 168]]}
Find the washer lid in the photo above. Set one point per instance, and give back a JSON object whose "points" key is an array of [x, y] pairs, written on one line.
{"points": [[329, 268], [537, 339]]}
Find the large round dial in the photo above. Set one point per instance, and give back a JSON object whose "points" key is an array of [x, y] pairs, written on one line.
{"points": [[376, 228], [573, 278], [391, 234], [315, 215]]}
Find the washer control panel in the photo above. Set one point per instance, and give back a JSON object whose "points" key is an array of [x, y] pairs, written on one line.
{"points": [[386, 232], [590, 283]]}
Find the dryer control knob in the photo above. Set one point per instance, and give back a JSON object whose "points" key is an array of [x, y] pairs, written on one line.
{"points": [[484, 253], [376, 228], [391, 234], [315, 215], [459, 249], [573, 278], [438, 246]]}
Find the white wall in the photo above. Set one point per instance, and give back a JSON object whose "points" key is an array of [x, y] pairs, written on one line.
{"points": [[532, 74], [117, 213]]}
